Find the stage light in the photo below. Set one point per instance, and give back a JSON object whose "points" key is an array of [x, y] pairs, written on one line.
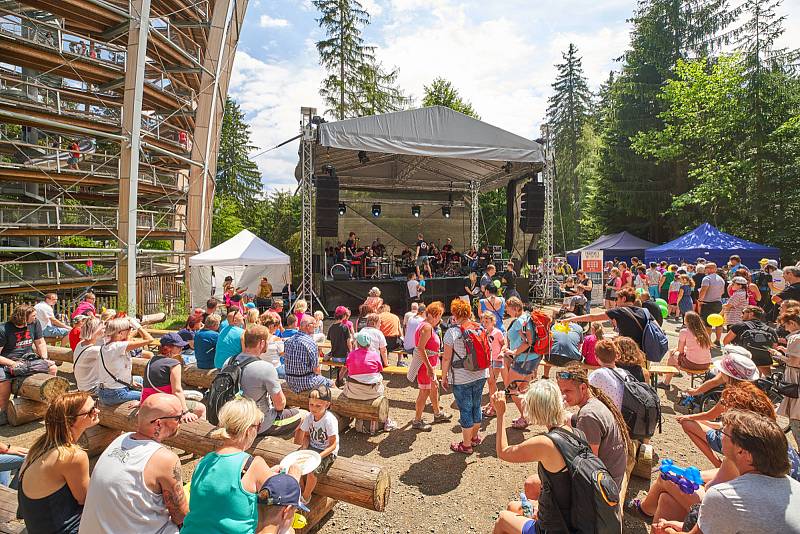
{"points": [[376, 210], [363, 158], [415, 211], [342, 208], [329, 169], [446, 212]]}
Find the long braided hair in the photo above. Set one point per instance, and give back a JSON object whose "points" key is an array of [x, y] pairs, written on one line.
{"points": [[581, 376]]}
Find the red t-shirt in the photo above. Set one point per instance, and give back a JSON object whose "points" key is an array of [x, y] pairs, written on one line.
{"points": [[74, 337]]}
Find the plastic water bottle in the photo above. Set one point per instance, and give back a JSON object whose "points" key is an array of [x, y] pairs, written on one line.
{"points": [[527, 507]]}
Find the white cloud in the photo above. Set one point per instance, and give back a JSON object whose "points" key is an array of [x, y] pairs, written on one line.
{"points": [[372, 7], [268, 22]]}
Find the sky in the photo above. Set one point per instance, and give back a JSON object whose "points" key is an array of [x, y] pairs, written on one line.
{"points": [[499, 54]]}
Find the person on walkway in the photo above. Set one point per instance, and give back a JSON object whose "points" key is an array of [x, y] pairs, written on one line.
{"points": [[653, 278], [613, 284], [732, 310], [425, 359], [301, 359], [163, 374], [229, 475], [205, 342], [694, 348], [86, 356], [498, 346], [136, 484], [467, 385], [229, 342], [51, 325], [115, 374], [710, 297], [54, 479], [685, 302], [494, 304]]}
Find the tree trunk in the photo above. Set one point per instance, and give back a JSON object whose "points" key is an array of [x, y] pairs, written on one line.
{"points": [[21, 411], [353, 481], [41, 387]]}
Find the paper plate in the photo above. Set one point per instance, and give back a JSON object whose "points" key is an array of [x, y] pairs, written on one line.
{"points": [[307, 460]]}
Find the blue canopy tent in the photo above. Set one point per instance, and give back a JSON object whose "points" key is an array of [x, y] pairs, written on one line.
{"points": [[708, 242], [622, 245]]}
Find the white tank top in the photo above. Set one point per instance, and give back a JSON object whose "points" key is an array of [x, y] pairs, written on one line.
{"points": [[118, 499]]}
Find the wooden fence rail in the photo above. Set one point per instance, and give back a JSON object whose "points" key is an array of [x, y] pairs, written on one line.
{"points": [[63, 307]]}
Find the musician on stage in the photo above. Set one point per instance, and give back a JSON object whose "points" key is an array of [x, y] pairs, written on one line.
{"points": [[350, 245], [421, 255], [378, 248]]}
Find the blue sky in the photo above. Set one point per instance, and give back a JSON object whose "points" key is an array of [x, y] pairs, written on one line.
{"points": [[498, 53]]}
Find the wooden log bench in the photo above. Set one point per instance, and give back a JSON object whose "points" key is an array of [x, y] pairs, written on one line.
{"points": [[393, 370], [8, 512], [349, 480], [32, 393]]}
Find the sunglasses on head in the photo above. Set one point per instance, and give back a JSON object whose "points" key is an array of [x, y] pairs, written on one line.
{"points": [[567, 375], [168, 417]]}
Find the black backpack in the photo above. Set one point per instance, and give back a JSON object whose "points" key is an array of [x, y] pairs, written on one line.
{"points": [[641, 407], [225, 386], [758, 337], [595, 495]]}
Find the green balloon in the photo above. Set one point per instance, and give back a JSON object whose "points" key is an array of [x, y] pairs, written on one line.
{"points": [[497, 284], [664, 312], [661, 302]]}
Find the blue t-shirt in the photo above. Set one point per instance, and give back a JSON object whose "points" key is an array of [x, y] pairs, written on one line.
{"points": [[289, 332], [568, 344], [517, 335], [229, 344], [205, 347], [223, 325]]}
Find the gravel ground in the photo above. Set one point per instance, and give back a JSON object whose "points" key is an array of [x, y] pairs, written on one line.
{"points": [[435, 490]]}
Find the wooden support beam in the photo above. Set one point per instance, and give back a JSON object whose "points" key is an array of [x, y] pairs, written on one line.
{"points": [[350, 480]]}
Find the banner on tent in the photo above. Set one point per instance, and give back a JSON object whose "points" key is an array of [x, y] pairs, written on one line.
{"points": [[592, 265]]}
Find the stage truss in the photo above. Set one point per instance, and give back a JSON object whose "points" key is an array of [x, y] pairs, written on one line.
{"points": [[543, 290]]}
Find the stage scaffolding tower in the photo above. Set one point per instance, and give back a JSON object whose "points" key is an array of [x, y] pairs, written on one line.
{"points": [[474, 213], [306, 289], [544, 290]]}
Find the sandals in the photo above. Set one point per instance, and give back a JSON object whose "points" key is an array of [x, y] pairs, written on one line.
{"points": [[477, 440], [488, 411], [459, 447], [635, 505], [520, 424]]}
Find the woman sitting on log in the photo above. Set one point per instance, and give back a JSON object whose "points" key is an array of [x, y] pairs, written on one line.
{"points": [[55, 477], [86, 353], [116, 368], [163, 374], [229, 475], [365, 381]]}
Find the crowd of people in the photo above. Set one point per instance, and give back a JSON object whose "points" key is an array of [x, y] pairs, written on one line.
{"points": [[277, 351]]}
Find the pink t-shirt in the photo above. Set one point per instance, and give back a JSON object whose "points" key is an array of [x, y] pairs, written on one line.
{"points": [[363, 361], [587, 350], [694, 352], [496, 344]]}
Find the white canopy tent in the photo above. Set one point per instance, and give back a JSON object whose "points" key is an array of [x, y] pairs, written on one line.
{"points": [[246, 258]]}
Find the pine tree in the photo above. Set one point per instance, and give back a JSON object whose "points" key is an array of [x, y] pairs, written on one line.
{"points": [[569, 109], [378, 90], [442, 93], [344, 54], [238, 177]]}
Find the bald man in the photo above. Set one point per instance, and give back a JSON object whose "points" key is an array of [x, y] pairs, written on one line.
{"points": [[301, 359], [136, 485]]}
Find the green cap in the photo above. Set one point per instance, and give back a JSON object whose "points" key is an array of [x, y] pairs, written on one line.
{"points": [[363, 339]]}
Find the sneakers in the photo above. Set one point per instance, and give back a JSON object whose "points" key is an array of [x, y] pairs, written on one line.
{"points": [[402, 363], [421, 425], [442, 417]]}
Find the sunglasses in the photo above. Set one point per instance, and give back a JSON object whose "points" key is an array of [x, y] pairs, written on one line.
{"points": [[168, 417], [91, 411], [566, 375]]}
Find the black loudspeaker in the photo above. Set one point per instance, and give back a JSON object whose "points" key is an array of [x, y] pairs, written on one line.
{"points": [[315, 263], [531, 218], [327, 205], [533, 256], [511, 197]]}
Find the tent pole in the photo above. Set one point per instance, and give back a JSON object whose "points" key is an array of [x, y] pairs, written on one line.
{"points": [[307, 198]]}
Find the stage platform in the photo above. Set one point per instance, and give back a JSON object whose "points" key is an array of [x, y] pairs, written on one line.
{"points": [[394, 291]]}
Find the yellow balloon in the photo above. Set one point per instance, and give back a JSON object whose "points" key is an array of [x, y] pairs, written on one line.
{"points": [[715, 320], [562, 327]]}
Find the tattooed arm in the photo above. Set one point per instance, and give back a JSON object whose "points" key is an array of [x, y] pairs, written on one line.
{"points": [[170, 482]]}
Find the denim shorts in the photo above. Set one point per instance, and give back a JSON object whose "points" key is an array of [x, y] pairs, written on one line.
{"points": [[54, 331], [526, 364], [714, 440], [119, 395], [468, 398]]}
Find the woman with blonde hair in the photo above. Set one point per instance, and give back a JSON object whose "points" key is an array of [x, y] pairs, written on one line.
{"points": [[300, 309], [544, 405], [55, 476], [229, 475], [115, 373], [694, 348], [86, 354], [275, 346], [423, 363], [252, 317]]}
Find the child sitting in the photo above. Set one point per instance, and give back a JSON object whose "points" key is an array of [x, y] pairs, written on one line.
{"points": [[587, 349], [319, 432], [497, 342], [319, 335]]}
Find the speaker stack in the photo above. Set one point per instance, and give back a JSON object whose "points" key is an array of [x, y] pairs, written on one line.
{"points": [[327, 205], [532, 207]]}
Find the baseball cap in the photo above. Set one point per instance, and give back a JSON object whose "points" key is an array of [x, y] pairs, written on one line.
{"points": [[281, 490], [78, 318], [736, 363], [363, 339], [741, 280], [173, 339], [324, 393], [773, 263], [250, 305]]}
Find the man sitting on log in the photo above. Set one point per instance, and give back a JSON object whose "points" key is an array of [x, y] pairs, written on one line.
{"points": [[23, 352], [301, 359], [259, 382], [136, 485]]}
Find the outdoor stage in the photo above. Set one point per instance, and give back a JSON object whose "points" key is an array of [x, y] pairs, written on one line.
{"points": [[351, 293]]}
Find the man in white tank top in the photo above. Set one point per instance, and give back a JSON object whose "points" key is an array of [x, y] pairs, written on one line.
{"points": [[136, 485]]}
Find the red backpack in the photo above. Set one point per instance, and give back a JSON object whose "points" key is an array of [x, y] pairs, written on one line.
{"points": [[478, 351], [542, 340]]}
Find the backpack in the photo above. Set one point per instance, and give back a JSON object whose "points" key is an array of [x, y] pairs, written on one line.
{"points": [[542, 339], [478, 350], [595, 495], [225, 386], [641, 407], [758, 337], [654, 341]]}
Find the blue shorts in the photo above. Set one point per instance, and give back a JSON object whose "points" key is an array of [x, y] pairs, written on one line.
{"points": [[714, 440], [530, 527], [526, 364], [54, 331]]}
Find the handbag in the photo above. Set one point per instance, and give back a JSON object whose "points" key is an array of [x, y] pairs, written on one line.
{"points": [[414, 366], [788, 389]]}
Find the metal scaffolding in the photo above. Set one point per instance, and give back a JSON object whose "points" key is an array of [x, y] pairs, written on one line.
{"points": [[474, 213], [544, 290], [307, 198]]}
